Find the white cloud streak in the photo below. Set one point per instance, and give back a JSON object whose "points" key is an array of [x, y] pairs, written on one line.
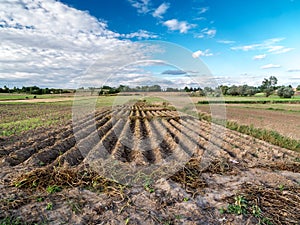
{"points": [[227, 42], [161, 10], [207, 33], [203, 10], [270, 66], [269, 45], [259, 57]]}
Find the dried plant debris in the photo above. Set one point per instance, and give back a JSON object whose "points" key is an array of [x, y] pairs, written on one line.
{"points": [[269, 205]]}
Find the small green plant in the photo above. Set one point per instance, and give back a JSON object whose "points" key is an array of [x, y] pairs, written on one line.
{"points": [[186, 199], [281, 187], [49, 206], [256, 211], [39, 199], [53, 189], [239, 207], [222, 210], [148, 186]]}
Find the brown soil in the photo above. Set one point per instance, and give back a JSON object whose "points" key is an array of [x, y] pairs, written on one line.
{"points": [[285, 123], [223, 165]]}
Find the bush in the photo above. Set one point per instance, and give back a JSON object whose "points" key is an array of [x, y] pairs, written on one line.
{"points": [[285, 92]]}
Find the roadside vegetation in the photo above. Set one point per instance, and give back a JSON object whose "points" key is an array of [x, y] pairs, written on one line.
{"points": [[270, 136]]}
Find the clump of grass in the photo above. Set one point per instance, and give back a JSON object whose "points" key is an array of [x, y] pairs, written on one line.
{"points": [[49, 206], [53, 189], [11, 221]]}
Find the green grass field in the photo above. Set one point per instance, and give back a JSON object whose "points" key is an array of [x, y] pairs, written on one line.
{"points": [[8, 97]]}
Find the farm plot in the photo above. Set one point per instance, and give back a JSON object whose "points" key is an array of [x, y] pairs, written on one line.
{"points": [[284, 119], [228, 177]]}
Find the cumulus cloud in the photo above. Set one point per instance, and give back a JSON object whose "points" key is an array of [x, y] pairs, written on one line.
{"points": [[48, 43], [270, 66], [207, 33], [259, 57], [202, 53], [181, 26], [162, 9]]}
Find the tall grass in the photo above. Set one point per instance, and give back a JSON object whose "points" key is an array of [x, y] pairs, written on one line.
{"points": [[270, 136]]}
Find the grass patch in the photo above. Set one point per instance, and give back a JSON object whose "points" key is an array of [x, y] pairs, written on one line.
{"points": [[8, 97], [270, 136]]}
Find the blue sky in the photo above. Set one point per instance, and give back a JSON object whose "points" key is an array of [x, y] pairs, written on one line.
{"points": [[51, 43]]}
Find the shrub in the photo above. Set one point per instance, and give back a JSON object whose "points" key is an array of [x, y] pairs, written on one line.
{"points": [[285, 92]]}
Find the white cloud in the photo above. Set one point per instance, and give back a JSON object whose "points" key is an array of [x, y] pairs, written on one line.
{"points": [[269, 45], [162, 9], [142, 6], [270, 66], [279, 49], [293, 71], [207, 33], [141, 34], [226, 42], [202, 53], [203, 10], [259, 57], [47, 43], [182, 26]]}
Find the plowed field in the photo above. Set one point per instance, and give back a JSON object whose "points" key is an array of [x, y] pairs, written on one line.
{"points": [[215, 165]]}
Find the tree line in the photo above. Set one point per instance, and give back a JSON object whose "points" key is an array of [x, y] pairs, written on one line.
{"points": [[34, 90], [268, 87]]}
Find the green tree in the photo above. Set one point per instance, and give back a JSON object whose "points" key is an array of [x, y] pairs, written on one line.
{"points": [[285, 92], [268, 85], [298, 88]]}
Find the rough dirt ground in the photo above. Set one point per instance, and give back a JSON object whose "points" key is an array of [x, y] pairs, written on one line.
{"points": [[284, 122], [224, 165]]}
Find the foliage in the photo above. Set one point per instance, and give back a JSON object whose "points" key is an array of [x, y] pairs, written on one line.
{"points": [[268, 85], [34, 90], [285, 92], [298, 88], [239, 207], [243, 90]]}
